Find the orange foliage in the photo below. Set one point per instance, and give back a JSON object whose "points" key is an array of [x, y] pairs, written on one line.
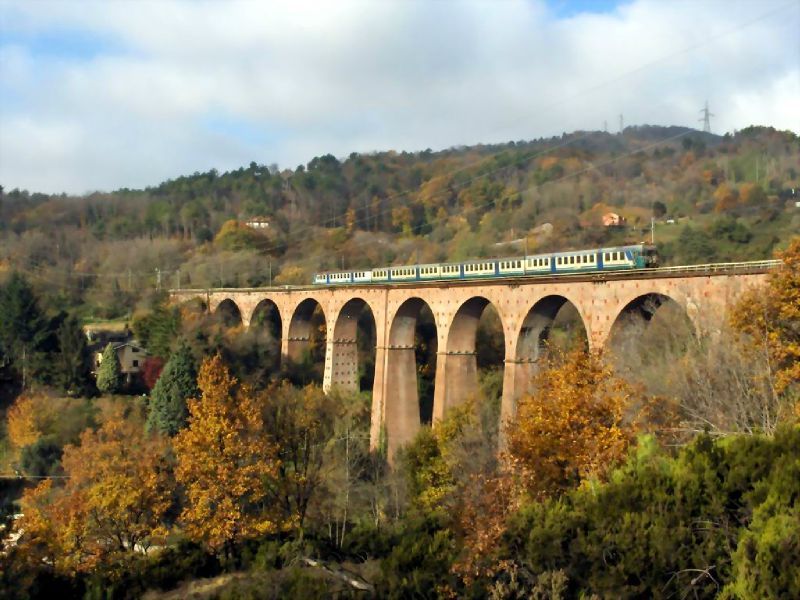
{"points": [[225, 460], [726, 198], [23, 423], [752, 194], [548, 162], [114, 501], [771, 318], [572, 428], [578, 424]]}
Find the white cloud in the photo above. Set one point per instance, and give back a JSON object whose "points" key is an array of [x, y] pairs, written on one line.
{"points": [[317, 77]]}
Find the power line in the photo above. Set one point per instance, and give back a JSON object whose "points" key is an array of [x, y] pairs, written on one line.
{"points": [[706, 118]]}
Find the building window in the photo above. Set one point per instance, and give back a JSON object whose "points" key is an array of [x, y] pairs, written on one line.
{"points": [[135, 363]]}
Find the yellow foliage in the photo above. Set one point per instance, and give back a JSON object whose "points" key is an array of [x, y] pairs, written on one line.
{"points": [[573, 427], [548, 162], [726, 198], [435, 192], [23, 422], [771, 319], [114, 501], [292, 275], [225, 459]]}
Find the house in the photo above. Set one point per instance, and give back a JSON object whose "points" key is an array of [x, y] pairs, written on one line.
{"points": [[613, 220], [130, 355], [257, 223]]}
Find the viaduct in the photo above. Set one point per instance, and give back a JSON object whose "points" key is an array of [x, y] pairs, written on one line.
{"points": [[526, 308]]}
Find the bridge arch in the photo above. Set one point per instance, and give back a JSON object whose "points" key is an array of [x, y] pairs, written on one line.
{"points": [[265, 329], [228, 314], [457, 371], [353, 339], [267, 314], [403, 415], [531, 340], [307, 333], [650, 324]]}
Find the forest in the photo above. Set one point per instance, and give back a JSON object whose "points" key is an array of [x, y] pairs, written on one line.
{"points": [[667, 467]]}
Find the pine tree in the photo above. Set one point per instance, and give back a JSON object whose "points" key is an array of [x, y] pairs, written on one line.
{"points": [[177, 383], [70, 363], [109, 373], [23, 328]]}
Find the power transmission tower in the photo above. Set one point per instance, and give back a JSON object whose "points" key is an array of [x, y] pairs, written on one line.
{"points": [[621, 124], [706, 118]]}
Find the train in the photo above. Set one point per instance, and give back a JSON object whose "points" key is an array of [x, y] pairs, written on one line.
{"points": [[638, 256]]}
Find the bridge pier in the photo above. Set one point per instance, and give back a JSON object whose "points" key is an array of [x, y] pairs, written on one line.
{"points": [[456, 380], [517, 376], [399, 396], [341, 365]]}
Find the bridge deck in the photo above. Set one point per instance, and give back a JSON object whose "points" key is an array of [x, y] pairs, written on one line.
{"points": [[706, 270]]}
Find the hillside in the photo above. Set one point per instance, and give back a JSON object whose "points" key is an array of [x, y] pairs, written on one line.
{"points": [[714, 198]]}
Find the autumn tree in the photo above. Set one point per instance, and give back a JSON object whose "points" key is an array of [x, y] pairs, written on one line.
{"points": [[770, 318], [109, 373], [725, 198], [572, 427], [23, 422], [303, 422], [116, 496], [225, 456], [177, 383]]}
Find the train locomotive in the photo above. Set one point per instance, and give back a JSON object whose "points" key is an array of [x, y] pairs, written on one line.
{"points": [[639, 256]]}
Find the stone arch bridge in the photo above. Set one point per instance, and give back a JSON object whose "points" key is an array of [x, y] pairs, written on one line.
{"points": [[526, 308]]}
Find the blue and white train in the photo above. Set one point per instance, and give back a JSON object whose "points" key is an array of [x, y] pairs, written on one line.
{"points": [[638, 256]]}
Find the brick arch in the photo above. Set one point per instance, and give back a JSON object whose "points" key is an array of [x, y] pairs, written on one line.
{"points": [[535, 326], [402, 414], [641, 308], [524, 350], [228, 305], [341, 357], [215, 301], [457, 367], [268, 304], [299, 328]]}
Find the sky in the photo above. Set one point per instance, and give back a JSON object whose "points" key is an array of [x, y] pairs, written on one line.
{"points": [[123, 93]]}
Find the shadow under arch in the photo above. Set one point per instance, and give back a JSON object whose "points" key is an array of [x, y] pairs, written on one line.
{"points": [[460, 355], [228, 314], [404, 413], [307, 336], [650, 328], [266, 329], [553, 321], [352, 347]]}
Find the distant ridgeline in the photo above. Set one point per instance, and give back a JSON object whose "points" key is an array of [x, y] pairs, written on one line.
{"points": [[701, 197]]}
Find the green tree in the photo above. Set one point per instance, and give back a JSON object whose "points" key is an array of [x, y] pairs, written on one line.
{"points": [[71, 367], [177, 383], [23, 330], [109, 373], [158, 329], [659, 209]]}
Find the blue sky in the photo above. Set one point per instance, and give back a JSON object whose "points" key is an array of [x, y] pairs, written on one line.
{"points": [[102, 95]]}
